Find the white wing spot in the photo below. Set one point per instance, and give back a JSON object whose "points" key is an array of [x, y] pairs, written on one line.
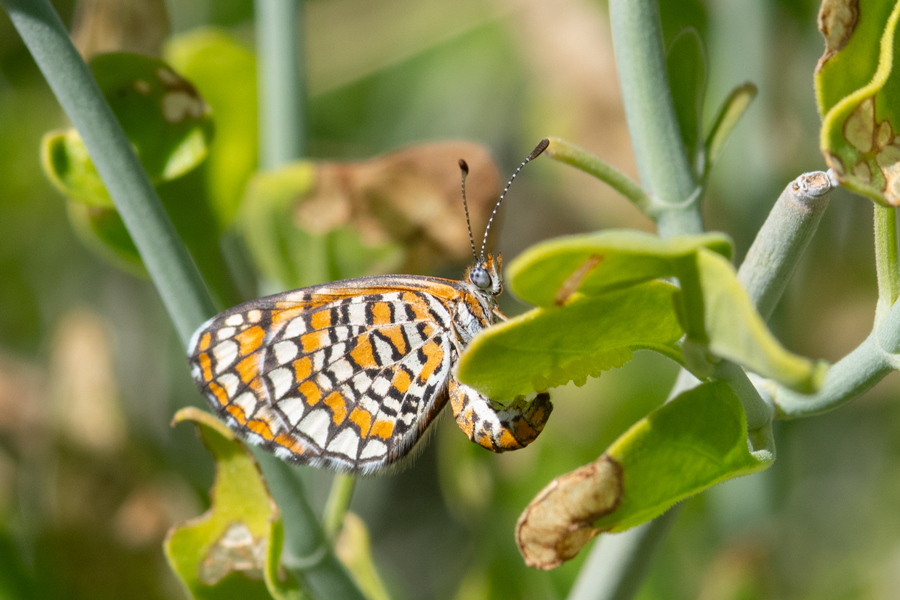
{"points": [[342, 370], [285, 352], [234, 320], [230, 382], [373, 449], [295, 327], [281, 379], [315, 425], [293, 408], [247, 402], [346, 443], [225, 352], [380, 387]]}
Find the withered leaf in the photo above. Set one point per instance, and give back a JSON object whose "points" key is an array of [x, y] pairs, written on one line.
{"points": [[559, 521], [411, 197]]}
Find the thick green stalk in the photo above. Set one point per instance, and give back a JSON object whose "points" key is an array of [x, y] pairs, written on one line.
{"points": [[783, 239], [281, 87], [845, 380], [652, 123], [877, 355], [167, 260], [307, 552]]}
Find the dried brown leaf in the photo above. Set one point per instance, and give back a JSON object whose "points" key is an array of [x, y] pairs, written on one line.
{"points": [[559, 521], [411, 197]]}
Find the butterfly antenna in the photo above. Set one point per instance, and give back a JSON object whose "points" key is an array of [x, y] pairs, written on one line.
{"points": [[464, 167], [534, 154]]}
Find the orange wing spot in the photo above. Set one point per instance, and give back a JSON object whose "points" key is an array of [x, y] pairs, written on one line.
{"points": [[251, 339], [206, 365], [401, 381], [335, 402], [321, 319], [205, 341], [435, 354], [291, 443], [428, 330], [248, 368], [363, 419], [508, 442], [261, 428], [524, 431], [311, 392], [237, 413], [395, 334], [381, 311], [383, 428], [419, 306], [313, 341], [283, 314], [219, 391], [302, 368], [483, 438], [466, 423], [363, 354]]}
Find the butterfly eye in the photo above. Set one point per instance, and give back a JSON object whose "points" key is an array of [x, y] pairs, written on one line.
{"points": [[480, 278]]}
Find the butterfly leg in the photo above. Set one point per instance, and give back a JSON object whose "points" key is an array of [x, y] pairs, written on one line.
{"points": [[498, 430]]}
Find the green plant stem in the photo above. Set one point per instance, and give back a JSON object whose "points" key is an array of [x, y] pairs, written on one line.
{"points": [[877, 355], [578, 157], [661, 156], [307, 552], [281, 87], [783, 239], [846, 379], [338, 504], [759, 412], [167, 260], [617, 564], [886, 262]]}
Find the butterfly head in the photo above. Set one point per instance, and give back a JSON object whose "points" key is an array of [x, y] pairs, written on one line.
{"points": [[485, 275]]}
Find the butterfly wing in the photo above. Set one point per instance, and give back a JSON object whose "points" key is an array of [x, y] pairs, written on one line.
{"points": [[346, 375]]}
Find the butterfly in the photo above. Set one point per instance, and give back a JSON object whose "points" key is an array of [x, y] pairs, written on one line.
{"points": [[349, 375]]}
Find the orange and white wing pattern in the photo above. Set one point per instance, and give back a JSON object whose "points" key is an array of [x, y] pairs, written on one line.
{"points": [[349, 375], [346, 375]]}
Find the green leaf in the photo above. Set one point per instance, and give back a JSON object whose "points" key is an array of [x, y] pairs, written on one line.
{"points": [[680, 449], [548, 273], [731, 111], [67, 165], [165, 119], [858, 92], [225, 73], [232, 549], [281, 251], [103, 231], [548, 347], [686, 65], [736, 331]]}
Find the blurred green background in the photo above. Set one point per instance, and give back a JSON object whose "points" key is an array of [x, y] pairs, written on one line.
{"points": [[91, 371]]}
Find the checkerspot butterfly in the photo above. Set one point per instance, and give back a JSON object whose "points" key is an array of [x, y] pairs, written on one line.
{"points": [[349, 375]]}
